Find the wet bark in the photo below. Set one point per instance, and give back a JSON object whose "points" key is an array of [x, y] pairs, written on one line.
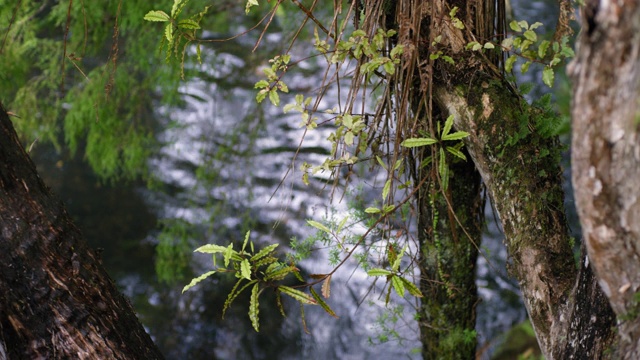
{"points": [[56, 300], [606, 156]]}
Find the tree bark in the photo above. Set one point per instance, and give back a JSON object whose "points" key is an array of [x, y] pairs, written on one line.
{"points": [[56, 300], [520, 168], [606, 156]]}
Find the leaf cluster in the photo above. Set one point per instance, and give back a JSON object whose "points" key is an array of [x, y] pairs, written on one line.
{"points": [[444, 135], [528, 45], [179, 31], [258, 271]]}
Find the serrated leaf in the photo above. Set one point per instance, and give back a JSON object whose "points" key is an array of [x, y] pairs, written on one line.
{"points": [[525, 67], [508, 65], [274, 97], [264, 252], [415, 142], [456, 135], [548, 76], [188, 24], [246, 240], [535, 25], [476, 47], [168, 33], [319, 226], [372, 210], [385, 189], [442, 163], [261, 95], [379, 160], [261, 84], [542, 49], [278, 271], [322, 303], [282, 87], [197, 280], [228, 253], [448, 59], [515, 26], [348, 138], [411, 287], [342, 224], [326, 287], [279, 304], [470, 45], [176, 9], [524, 24], [398, 285], [156, 15], [211, 249], [379, 272], [489, 45], [447, 125], [245, 269], [290, 107], [507, 43], [303, 319], [298, 295], [234, 294], [457, 153], [250, 3], [398, 259], [264, 261], [254, 308], [530, 35], [388, 208]]}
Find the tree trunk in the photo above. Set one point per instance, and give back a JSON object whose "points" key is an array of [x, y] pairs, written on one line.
{"points": [[606, 156], [56, 299], [520, 168], [449, 209]]}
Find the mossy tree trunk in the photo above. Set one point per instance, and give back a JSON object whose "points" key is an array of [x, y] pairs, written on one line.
{"points": [[56, 300], [569, 312], [606, 156]]}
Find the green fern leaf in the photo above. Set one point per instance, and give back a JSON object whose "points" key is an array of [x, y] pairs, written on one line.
{"points": [[298, 295], [156, 15], [197, 280], [253, 307]]}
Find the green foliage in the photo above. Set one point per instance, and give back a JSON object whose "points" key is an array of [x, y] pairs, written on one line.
{"points": [[444, 135], [261, 269], [378, 56], [173, 251], [79, 88], [273, 84], [179, 32], [527, 45]]}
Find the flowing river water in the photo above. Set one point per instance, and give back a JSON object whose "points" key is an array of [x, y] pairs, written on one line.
{"points": [[222, 160]]}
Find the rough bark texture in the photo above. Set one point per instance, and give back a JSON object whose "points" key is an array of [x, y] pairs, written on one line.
{"points": [[56, 300], [450, 235], [520, 168], [606, 156], [449, 217]]}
